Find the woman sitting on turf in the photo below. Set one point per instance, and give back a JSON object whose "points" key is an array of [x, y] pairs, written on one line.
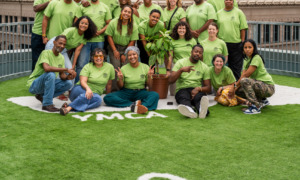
{"points": [[223, 81], [132, 79], [255, 83], [94, 78]]}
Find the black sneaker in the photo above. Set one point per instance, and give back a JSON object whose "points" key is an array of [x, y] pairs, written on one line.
{"points": [[50, 108]]}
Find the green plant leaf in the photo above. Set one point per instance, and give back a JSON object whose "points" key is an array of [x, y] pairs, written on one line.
{"points": [[152, 60], [153, 47], [159, 43], [148, 46]]}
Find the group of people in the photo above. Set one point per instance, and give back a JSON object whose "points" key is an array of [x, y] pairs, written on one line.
{"points": [[70, 39]]}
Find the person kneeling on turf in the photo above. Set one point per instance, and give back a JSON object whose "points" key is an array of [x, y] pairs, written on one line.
{"points": [[49, 79], [189, 73]]}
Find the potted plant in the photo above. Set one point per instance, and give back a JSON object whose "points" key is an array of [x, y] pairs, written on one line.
{"points": [[159, 46]]}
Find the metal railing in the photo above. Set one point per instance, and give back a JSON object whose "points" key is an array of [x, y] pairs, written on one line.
{"points": [[15, 51], [278, 43]]}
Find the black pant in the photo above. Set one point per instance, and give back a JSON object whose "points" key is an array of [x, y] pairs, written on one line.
{"points": [[37, 47], [183, 96], [143, 54], [235, 58]]}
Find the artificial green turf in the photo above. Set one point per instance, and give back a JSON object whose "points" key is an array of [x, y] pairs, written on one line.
{"points": [[226, 145]]}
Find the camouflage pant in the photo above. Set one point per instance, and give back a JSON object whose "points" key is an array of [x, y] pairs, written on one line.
{"points": [[254, 91]]}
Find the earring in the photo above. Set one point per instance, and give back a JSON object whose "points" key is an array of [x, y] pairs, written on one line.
{"points": [[121, 17], [130, 20]]}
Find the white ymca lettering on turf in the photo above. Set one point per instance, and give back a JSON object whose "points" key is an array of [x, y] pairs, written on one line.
{"points": [[149, 176], [100, 117]]}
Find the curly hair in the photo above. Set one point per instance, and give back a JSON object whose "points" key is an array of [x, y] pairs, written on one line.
{"points": [[91, 30], [129, 24], [188, 35]]}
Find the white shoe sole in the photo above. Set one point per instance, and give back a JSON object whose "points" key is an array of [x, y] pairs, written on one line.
{"points": [[186, 112], [203, 107]]}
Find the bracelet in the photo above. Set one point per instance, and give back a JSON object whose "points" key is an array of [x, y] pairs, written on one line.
{"points": [[168, 69]]}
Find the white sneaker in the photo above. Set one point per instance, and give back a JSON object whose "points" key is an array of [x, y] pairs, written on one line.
{"points": [[203, 107], [187, 111]]}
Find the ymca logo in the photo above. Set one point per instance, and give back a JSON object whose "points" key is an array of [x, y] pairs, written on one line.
{"points": [[71, 14], [105, 75], [198, 73], [60, 66], [142, 76], [232, 18], [100, 12], [215, 49]]}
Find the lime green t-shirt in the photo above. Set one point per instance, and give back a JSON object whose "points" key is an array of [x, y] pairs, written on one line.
{"points": [[148, 31], [99, 13], [47, 56], [260, 73], [230, 25], [144, 12], [219, 4], [73, 38], [182, 48], [37, 27], [180, 13], [224, 78], [61, 16], [194, 78], [198, 15], [98, 77], [135, 78], [111, 4], [212, 48], [117, 12], [121, 39]]}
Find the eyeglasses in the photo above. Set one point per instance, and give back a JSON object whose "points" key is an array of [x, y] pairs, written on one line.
{"points": [[98, 56]]}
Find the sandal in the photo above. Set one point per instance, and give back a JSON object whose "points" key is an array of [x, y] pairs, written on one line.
{"points": [[65, 105], [62, 97], [63, 111]]}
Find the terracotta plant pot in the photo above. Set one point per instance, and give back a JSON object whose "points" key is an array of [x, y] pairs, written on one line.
{"points": [[160, 85]]}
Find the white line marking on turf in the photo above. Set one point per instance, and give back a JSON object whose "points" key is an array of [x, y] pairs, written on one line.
{"points": [[160, 175]]}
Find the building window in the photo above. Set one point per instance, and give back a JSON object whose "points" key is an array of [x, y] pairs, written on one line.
{"points": [[258, 33], [0, 18], [296, 32], [266, 33], [287, 33], [6, 19], [276, 33]]}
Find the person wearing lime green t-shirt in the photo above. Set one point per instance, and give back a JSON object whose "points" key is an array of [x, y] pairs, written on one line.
{"points": [[84, 29], [117, 11], [37, 45], [149, 28], [213, 45], [145, 9], [255, 83], [181, 46], [223, 82], [174, 13], [49, 78], [101, 16], [132, 80], [95, 77], [232, 25], [199, 16], [121, 33], [189, 73], [58, 16], [219, 4]]}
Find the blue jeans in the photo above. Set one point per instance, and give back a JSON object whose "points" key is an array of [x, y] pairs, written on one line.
{"points": [[80, 102], [84, 56], [49, 86], [125, 97], [37, 46]]}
